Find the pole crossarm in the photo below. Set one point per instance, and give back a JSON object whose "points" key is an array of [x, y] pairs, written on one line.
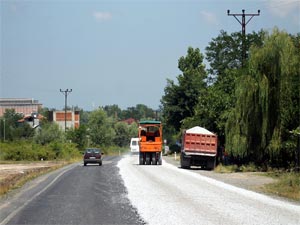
{"points": [[243, 23]]}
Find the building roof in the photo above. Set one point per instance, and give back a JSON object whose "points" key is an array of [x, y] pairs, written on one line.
{"points": [[129, 121], [18, 101], [39, 116]]}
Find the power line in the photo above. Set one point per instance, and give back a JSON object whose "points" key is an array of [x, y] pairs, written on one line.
{"points": [[243, 23], [66, 92]]}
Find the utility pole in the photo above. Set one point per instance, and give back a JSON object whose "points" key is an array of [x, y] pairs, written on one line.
{"points": [[243, 23], [4, 129], [66, 92]]}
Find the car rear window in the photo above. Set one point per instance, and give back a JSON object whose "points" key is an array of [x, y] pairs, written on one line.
{"points": [[88, 151], [96, 151]]}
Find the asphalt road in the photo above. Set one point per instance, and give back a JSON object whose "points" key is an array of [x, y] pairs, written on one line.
{"points": [[123, 192], [73, 195]]}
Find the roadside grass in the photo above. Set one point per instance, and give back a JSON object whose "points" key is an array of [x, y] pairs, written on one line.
{"points": [[17, 180], [226, 169], [114, 150], [234, 168], [287, 184]]}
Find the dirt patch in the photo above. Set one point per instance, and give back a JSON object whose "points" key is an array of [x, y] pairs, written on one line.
{"points": [[14, 175]]}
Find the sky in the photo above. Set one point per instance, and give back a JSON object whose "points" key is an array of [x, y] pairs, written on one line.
{"points": [[115, 51]]}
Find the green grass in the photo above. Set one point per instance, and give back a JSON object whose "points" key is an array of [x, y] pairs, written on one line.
{"points": [[287, 185]]}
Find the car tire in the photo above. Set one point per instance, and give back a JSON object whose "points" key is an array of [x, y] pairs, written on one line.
{"points": [[84, 164]]}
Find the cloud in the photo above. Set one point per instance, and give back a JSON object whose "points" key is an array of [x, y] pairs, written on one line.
{"points": [[209, 17], [283, 8], [102, 16]]}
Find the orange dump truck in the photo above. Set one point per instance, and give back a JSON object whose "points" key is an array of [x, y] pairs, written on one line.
{"points": [[150, 142], [199, 148]]}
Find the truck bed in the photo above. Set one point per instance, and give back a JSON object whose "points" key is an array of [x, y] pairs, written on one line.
{"points": [[200, 144]]}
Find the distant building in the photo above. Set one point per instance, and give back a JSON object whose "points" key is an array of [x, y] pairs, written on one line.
{"points": [[129, 121], [33, 120], [24, 106], [72, 118]]}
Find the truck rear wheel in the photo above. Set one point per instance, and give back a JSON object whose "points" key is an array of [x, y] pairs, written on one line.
{"points": [[148, 159], [154, 159], [185, 163], [211, 163], [141, 159], [159, 159]]}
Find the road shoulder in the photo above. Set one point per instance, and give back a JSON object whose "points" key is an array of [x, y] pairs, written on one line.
{"points": [[253, 181]]}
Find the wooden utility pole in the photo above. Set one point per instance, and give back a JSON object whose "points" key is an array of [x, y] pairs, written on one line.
{"points": [[66, 92], [243, 23]]}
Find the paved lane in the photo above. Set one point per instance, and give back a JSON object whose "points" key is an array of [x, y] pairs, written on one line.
{"points": [[169, 195], [80, 195]]}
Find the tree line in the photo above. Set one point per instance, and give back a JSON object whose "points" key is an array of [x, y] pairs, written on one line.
{"points": [[105, 127], [255, 109]]}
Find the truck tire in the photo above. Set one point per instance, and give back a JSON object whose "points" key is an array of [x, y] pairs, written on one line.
{"points": [[159, 160], [141, 159], [148, 159], [211, 163], [184, 162], [154, 160]]}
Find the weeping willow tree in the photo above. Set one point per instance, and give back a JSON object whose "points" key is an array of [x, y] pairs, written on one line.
{"points": [[267, 104]]}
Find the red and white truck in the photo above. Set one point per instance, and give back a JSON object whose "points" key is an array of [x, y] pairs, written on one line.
{"points": [[199, 148]]}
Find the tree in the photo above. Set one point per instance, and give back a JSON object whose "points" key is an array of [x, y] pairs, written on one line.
{"points": [[100, 128], [78, 136], [112, 111], [225, 51], [267, 103], [213, 107], [122, 137], [49, 132], [224, 54], [133, 130], [13, 130], [138, 112], [179, 99]]}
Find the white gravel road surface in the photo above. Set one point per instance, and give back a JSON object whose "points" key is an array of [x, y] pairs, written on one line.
{"points": [[170, 195]]}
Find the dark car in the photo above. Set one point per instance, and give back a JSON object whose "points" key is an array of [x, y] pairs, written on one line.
{"points": [[92, 155]]}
